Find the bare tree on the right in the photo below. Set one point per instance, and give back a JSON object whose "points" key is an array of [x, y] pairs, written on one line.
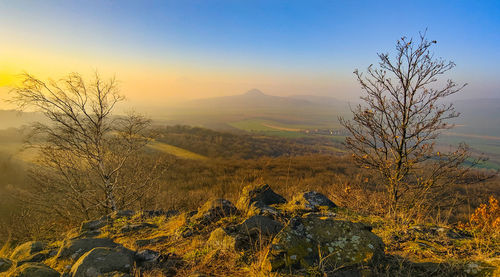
{"points": [[395, 130]]}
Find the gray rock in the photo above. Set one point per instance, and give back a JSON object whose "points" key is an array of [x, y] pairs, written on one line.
{"points": [[36, 258], [34, 270], [5, 264], [260, 225], [75, 248], [101, 260], [311, 201], [123, 213], [259, 196], [146, 255], [27, 249], [214, 210], [155, 213], [340, 243], [93, 225]]}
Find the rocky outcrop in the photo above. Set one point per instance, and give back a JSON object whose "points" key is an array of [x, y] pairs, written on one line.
{"points": [[214, 210], [241, 236], [313, 239], [75, 248], [27, 249], [103, 260], [310, 201], [260, 225], [34, 270], [307, 236], [259, 200]]}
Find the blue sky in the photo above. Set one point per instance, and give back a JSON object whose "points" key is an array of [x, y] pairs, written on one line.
{"points": [[282, 47]]}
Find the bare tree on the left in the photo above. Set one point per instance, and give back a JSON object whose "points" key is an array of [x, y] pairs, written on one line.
{"points": [[85, 152]]}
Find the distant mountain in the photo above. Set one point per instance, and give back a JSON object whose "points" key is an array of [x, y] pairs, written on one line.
{"points": [[251, 100], [254, 92], [217, 112], [14, 119]]}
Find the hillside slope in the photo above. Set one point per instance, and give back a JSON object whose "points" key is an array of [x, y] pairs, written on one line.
{"points": [[262, 235]]}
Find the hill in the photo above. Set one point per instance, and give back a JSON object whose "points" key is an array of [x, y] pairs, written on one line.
{"points": [[218, 112]]}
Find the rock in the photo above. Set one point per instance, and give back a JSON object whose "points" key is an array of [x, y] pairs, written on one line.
{"points": [[123, 213], [144, 242], [341, 243], [155, 213], [311, 201], [102, 260], [93, 225], [27, 249], [37, 257], [75, 248], [260, 225], [5, 264], [214, 210], [222, 239], [34, 270], [146, 255], [260, 196], [137, 227]]}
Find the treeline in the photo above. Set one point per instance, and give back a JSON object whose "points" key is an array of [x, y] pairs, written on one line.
{"points": [[213, 143]]}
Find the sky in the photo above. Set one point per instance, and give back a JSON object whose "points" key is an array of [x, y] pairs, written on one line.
{"points": [[168, 51]]}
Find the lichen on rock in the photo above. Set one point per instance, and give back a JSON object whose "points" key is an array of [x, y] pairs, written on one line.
{"points": [[337, 242]]}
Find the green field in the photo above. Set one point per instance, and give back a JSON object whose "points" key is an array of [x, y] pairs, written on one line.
{"points": [[273, 128]]}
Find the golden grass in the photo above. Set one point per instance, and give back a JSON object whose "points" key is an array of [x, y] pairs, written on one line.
{"points": [[176, 151]]}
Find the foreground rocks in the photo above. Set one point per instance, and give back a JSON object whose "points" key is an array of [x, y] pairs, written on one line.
{"points": [[260, 200], [302, 237], [27, 249], [34, 270], [75, 248], [103, 260]]}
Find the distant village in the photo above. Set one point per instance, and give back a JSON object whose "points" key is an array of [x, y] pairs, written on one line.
{"points": [[328, 132]]}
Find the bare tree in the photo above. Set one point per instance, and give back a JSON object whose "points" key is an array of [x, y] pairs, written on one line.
{"points": [[394, 132], [85, 152]]}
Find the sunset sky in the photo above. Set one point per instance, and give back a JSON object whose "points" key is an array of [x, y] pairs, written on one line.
{"points": [[165, 51]]}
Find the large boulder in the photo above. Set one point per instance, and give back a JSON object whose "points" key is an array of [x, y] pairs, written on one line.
{"points": [[103, 261], [258, 200], [75, 248], [214, 210], [5, 264], [262, 195], [260, 225], [241, 236], [341, 243], [37, 257], [310, 201], [34, 270], [27, 249]]}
